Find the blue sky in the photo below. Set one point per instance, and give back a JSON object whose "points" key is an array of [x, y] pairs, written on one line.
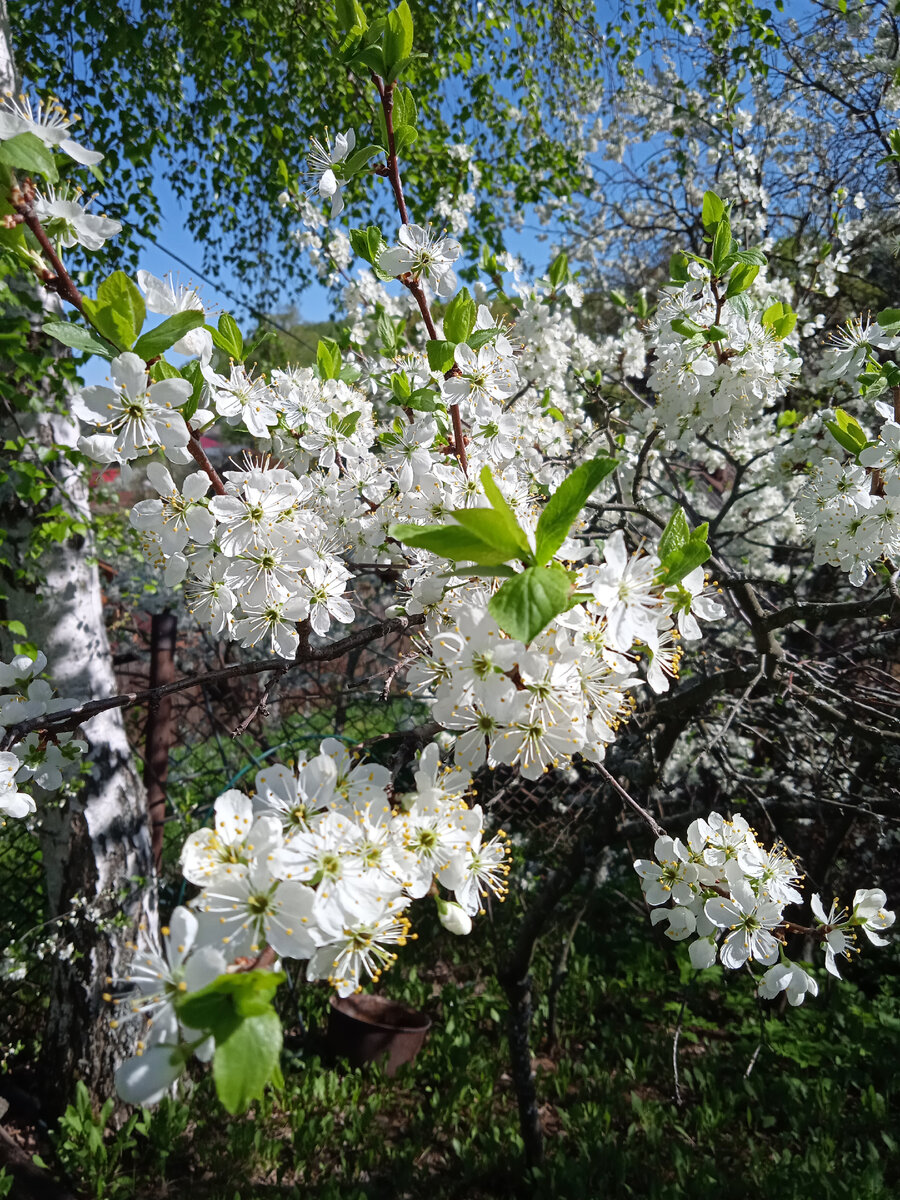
{"points": [[174, 249]]}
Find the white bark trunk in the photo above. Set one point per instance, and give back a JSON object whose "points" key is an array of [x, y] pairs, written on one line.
{"points": [[96, 849]]}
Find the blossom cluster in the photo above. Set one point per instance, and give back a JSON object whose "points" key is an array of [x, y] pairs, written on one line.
{"points": [[44, 763], [850, 509], [729, 893], [719, 365], [320, 865], [567, 691]]}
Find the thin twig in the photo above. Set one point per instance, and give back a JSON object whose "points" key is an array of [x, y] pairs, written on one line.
{"points": [[642, 812]]}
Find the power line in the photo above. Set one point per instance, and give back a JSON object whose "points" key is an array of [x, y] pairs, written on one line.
{"points": [[254, 312]]}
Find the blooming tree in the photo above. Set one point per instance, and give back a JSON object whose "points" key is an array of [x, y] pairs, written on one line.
{"points": [[549, 553]]}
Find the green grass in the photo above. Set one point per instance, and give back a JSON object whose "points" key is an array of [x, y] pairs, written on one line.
{"points": [[812, 1117]]}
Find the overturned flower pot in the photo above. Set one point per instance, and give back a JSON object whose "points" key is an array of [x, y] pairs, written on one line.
{"points": [[362, 1028]]}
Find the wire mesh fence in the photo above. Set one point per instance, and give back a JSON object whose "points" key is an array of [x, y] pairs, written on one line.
{"points": [[209, 745]]}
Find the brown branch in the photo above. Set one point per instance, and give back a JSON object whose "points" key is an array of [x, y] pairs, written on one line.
{"points": [[642, 812], [69, 719], [62, 283], [199, 456], [412, 285]]}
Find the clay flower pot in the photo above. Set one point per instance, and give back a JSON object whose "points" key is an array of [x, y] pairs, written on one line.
{"points": [[362, 1028]]}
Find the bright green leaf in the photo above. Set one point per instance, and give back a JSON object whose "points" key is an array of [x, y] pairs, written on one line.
{"points": [[527, 603], [566, 503]]}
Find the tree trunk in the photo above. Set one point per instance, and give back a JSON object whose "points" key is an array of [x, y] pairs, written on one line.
{"points": [[96, 848], [160, 729]]}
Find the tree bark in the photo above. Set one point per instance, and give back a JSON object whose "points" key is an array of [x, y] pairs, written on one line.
{"points": [[160, 729], [96, 847]]}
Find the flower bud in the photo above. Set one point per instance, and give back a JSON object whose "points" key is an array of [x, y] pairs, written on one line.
{"points": [[454, 918]]}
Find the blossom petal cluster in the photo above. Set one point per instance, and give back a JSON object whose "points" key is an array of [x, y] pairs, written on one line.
{"points": [[31, 760], [319, 865], [722, 888]]}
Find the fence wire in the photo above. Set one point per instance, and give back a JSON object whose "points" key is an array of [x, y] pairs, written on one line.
{"points": [[355, 699]]}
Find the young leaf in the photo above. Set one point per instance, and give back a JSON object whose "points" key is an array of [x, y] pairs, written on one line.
{"points": [[398, 35], [232, 339], [328, 358], [713, 210], [246, 1060], [157, 341], [122, 293], [686, 327], [26, 152], [449, 541], [440, 356], [492, 528], [79, 338], [528, 602], [459, 317], [565, 504], [676, 534], [423, 399], [678, 268], [721, 245], [683, 561], [740, 279], [358, 159], [847, 432], [889, 320], [559, 271], [500, 505]]}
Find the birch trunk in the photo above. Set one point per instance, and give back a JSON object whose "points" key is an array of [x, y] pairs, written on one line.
{"points": [[96, 848]]}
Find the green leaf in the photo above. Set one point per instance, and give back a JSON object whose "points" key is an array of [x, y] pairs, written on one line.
{"points": [[26, 152], [752, 256], [566, 503], [163, 370], [231, 339], [715, 333], [459, 317], [122, 293], [79, 338], [501, 506], [449, 541], [676, 534], [681, 549], [683, 561], [889, 320], [440, 356], [713, 210], [194, 375], [405, 136], [246, 1060], [480, 337], [213, 1009], [358, 159], [328, 358], [398, 35], [423, 399], [157, 341], [772, 313], [401, 387], [721, 245], [346, 427], [678, 268], [740, 279], [847, 432], [785, 325], [405, 111], [559, 271], [685, 326], [493, 529], [528, 603], [373, 58]]}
